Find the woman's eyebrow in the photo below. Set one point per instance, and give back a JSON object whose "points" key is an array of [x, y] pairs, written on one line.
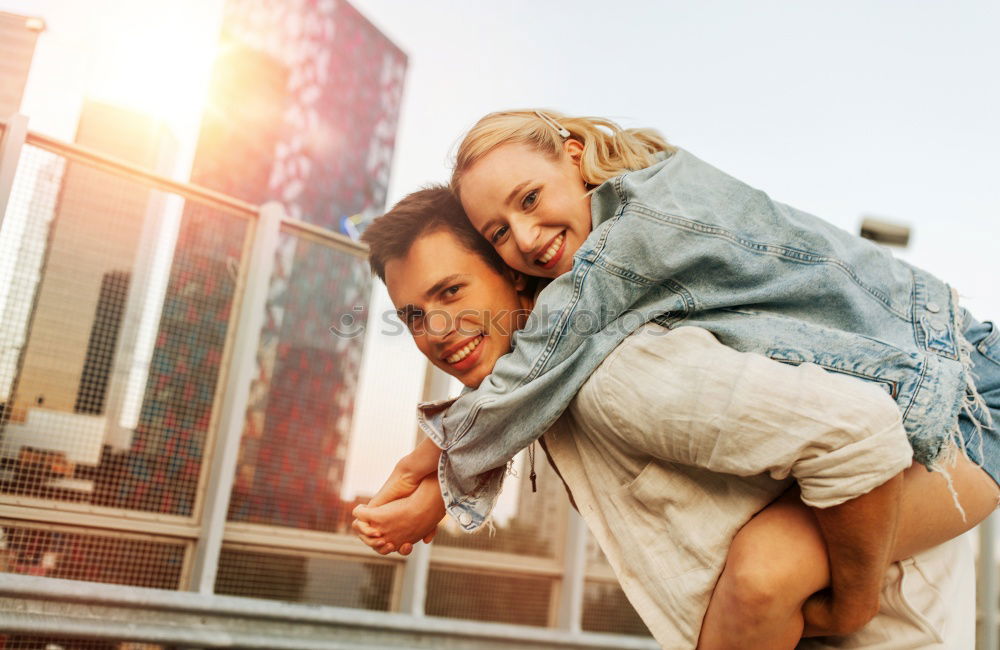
{"points": [[486, 227], [514, 192]]}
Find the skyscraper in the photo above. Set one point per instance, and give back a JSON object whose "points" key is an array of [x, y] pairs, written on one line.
{"points": [[302, 110], [93, 236], [17, 46]]}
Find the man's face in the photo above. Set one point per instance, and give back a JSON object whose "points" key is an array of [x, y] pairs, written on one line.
{"points": [[459, 309]]}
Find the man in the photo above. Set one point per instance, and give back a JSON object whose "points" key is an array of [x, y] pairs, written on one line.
{"points": [[669, 450]]}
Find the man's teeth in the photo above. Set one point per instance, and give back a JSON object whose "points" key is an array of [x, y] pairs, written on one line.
{"points": [[552, 250], [464, 352]]}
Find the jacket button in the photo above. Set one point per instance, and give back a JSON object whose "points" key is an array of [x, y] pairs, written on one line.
{"points": [[464, 519], [932, 307]]}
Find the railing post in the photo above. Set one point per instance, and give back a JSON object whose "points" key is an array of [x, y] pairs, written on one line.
{"points": [[256, 272], [414, 589], [570, 616], [11, 141], [989, 594]]}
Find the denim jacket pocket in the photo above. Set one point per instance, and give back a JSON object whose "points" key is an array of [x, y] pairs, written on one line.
{"points": [[989, 347]]}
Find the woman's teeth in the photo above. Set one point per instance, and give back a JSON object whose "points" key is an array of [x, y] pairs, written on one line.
{"points": [[552, 249], [464, 352]]}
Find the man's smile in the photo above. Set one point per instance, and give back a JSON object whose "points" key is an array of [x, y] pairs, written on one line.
{"points": [[462, 351]]}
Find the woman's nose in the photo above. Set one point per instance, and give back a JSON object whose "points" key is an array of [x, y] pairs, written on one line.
{"points": [[525, 237]]}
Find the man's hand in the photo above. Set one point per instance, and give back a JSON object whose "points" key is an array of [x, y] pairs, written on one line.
{"points": [[401, 523], [822, 620], [860, 535]]}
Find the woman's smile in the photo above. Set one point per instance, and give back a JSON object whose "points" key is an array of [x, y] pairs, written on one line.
{"points": [[553, 252]]}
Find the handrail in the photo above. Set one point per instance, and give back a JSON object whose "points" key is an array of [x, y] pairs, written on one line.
{"points": [[205, 195], [327, 236], [117, 166], [36, 605]]}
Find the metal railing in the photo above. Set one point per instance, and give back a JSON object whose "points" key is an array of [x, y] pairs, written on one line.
{"points": [[94, 610], [33, 605]]}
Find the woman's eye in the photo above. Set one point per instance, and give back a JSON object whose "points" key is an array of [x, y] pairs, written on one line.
{"points": [[498, 234], [529, 199]]}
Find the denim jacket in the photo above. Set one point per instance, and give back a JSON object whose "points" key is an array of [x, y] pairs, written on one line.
{"points": [[682, 242]]}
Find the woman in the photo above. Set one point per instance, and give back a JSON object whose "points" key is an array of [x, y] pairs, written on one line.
{"points": [[665, 236]]}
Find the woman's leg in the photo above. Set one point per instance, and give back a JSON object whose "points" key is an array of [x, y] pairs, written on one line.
{"points": [[778, 559]]}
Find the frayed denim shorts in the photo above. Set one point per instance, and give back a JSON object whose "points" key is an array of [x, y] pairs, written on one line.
{"points": [[985, 356]]}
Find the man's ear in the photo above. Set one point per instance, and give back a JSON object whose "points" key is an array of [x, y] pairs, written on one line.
{"points": [[518, 279], [573, 149]]}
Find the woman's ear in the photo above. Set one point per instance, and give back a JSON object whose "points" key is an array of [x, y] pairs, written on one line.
{"points": [[573, 149]]}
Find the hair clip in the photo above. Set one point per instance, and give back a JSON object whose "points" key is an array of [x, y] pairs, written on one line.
{"points": [[560, 129]]}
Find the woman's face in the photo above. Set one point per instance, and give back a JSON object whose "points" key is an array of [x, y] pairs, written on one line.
{"points": [[533, 209]]}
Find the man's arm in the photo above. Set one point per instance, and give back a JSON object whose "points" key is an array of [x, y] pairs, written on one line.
{"points": [[710, 406]]}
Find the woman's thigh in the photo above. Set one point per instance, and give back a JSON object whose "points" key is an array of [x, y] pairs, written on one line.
{"points": [[928, 513], [785, 540]]}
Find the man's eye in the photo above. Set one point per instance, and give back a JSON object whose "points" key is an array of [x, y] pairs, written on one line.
{"points": [[529, 199], [498, 234], [451, 291]]}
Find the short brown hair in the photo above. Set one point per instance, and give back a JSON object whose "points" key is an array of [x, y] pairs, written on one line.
{"points": [[427, 210]]}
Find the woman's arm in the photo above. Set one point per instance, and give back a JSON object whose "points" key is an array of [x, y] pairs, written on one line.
{"points": [[409, 472], [578, 319]]}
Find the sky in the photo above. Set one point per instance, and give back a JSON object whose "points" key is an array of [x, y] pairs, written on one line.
{"points": [[845, 109], [841, 109]]}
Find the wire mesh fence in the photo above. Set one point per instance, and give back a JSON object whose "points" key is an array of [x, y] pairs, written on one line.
{"points": [[306, 578], [28, 642], [77, 554], [119, 298]]}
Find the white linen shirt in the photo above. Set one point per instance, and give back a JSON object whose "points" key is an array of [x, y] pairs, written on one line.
{"points": [[676, 441]]}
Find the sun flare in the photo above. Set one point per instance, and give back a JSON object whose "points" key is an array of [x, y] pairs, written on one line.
{"points": [[159, 65]]}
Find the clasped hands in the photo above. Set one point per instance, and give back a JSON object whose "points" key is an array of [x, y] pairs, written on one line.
{"points": [[407, 508]]}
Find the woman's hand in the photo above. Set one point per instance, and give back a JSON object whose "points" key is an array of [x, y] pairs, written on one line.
{"points": [[408, 473]]}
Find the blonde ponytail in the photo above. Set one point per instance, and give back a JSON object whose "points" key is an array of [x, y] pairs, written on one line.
{"points": [[608, 149]]}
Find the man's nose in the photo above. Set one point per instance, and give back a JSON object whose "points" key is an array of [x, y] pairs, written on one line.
{"points": [[439, 324]]}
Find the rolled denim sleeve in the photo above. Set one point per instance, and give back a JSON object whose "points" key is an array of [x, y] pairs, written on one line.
{"points": [[577, 321], [744, 414]]}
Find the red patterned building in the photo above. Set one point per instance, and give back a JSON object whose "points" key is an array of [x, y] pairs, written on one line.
{"points": [[303, 110]]}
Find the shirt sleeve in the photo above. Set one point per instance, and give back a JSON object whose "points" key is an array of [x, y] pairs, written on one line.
{"points": [[742, 413]]}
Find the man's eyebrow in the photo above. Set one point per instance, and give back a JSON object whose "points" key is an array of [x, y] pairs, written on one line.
{"points": [[442, 284], [406, 311]]}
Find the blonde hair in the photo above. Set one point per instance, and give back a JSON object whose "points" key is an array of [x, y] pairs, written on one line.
{"points": [[608, 149]]}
